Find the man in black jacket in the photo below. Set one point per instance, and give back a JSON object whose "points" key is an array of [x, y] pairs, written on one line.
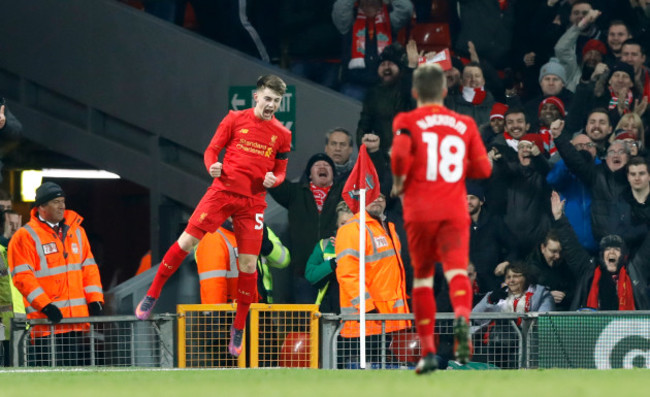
{"points": [[610, 281], [491, 244], [552, 271], [311, 205]]}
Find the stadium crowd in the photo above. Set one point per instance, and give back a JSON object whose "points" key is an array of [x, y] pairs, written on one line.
{"points": [[559, 90]]}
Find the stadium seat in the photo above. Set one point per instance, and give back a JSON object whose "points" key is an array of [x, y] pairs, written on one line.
{"points": [[431, 36], [405, 347], [295, 350]]}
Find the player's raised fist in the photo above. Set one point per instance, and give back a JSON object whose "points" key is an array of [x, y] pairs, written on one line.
{"points": [[215, 169], [269, 180]]}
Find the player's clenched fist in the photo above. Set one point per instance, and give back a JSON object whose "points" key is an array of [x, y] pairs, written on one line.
{"points": [[215, 170], [269, 180]]}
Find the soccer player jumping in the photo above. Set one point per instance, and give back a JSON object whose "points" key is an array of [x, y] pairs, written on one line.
{"points": [[434, 150], [257, 148]]}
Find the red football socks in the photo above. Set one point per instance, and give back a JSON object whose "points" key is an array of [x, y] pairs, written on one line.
{"points": [[171, 261], [460, 294], [424, 309], [246, 294]]}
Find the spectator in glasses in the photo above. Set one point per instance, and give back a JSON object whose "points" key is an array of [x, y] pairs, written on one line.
{"points": [[610, 214]]}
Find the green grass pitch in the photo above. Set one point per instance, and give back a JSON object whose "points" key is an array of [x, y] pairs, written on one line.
{"points": [[330, 383]]}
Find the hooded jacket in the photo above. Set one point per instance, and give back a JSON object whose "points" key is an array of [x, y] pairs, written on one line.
{"points": [[583, 266]]}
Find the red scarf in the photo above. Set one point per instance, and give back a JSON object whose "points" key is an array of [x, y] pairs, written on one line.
{"points": [[379, 28], [549, 145], [475, 96], [613, 102], [320, 194], [646, 83], [623, 289], [528, 297]]}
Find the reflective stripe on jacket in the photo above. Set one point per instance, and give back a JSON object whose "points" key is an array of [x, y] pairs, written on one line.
{"points": [[385, 282], [216, 259], [47, 270], [279, 258], [11, 300], [217, 262]]}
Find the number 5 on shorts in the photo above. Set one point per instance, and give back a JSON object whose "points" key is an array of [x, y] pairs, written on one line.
{"points": [[259, 221]]}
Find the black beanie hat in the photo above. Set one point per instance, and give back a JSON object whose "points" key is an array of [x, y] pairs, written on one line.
{"points": [[319, 157], [612, 240], [394, 53], [475, 189], [621, 66], [46, 192]]}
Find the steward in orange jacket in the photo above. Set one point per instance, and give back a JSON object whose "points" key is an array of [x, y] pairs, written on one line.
{"points": [[218, 267], [216, 261], [385, 280], [55, 271]]}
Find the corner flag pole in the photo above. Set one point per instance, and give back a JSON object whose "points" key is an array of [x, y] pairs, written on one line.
{"points": [[362, 278]]}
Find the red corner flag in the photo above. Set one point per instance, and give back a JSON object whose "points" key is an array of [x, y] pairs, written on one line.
{"points": [[363, 176]]}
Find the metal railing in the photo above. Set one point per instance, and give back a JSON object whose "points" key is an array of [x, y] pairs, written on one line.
{"points": [[501, 340], [618, 339], [106, 341]]}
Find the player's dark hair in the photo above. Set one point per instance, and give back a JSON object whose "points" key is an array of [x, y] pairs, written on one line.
{"points": [[429, 82], [273, 83]]}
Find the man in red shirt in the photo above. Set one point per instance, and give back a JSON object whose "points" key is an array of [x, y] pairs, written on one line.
{"points": [[257, 148], [434, 150]]}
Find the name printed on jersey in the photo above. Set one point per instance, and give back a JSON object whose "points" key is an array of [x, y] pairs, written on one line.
{"points": [[50, 248], [444, 120], [381, 242]]}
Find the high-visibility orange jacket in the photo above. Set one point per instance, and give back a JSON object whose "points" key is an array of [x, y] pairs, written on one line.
{"points": [[47, 270], [216, 260], [145, 263], [385, 281], [218, 267]]}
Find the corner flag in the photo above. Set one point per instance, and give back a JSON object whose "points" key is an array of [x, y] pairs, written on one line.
{"points": [[363, 176]]}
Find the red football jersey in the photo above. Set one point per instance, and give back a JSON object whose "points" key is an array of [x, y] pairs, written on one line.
{"points": [[252, 146], [437, 149]]}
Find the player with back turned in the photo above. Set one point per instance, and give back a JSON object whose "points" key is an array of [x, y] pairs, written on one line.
{"points": [[434, 150], [256, 148]]}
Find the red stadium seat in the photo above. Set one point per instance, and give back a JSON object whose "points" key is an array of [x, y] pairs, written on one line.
{"points": [[431, 36], [295, 350], [405, 347]]}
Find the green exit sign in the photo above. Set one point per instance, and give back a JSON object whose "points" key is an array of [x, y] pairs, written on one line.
{"points": [[240, 97]]}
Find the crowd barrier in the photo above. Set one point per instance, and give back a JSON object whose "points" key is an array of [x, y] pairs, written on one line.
{"points": [[107, 341], [278, 335], [300, 336]]}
